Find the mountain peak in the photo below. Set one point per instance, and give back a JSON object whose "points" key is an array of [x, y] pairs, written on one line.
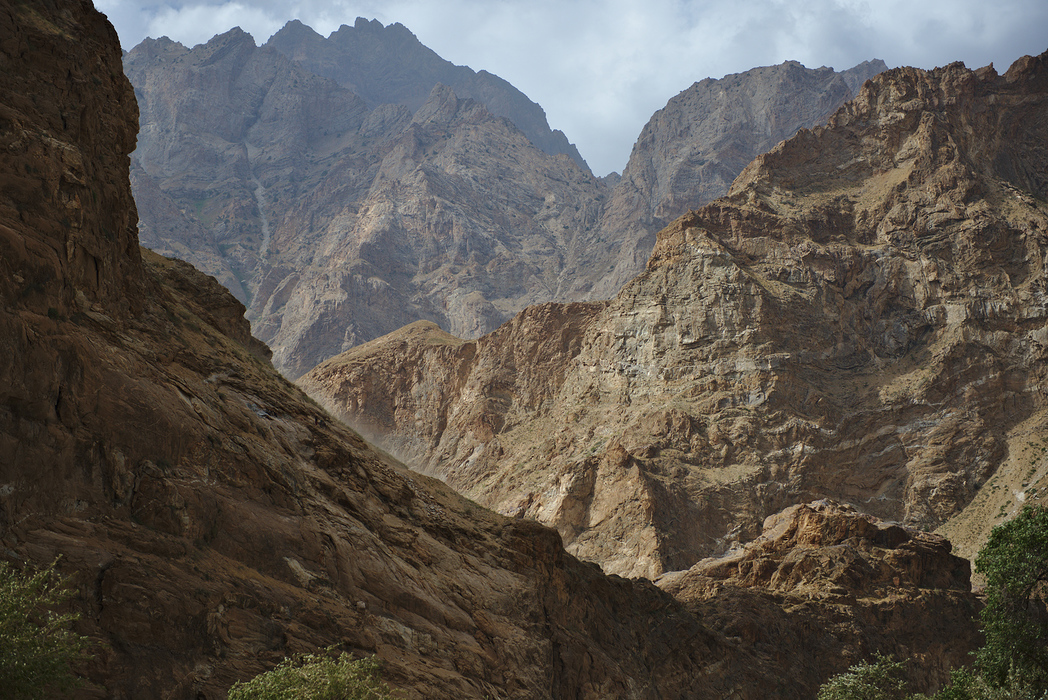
{"points": [[389, 65], [296, 28], [364, 23]]}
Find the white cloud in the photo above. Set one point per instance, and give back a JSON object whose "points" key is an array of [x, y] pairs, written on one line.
{"points": [[600, 68]]}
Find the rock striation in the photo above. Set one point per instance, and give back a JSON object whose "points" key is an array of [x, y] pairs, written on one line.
{"points": [[212, 519], [861, 318]]}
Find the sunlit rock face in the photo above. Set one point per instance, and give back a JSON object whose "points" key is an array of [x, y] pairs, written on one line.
{"points": [[862, 317]]}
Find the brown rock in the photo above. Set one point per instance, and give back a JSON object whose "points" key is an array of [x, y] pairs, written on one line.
{"points": [[825, 586], [861, 318]]}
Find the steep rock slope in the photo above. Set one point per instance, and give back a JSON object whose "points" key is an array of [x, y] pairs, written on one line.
{"points": [[334, 223], [213, 519], [690, 151], [863, 317], [230, 136], [389, 65]]}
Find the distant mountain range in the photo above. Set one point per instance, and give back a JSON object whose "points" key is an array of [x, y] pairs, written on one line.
{"points": [[344, 187]]}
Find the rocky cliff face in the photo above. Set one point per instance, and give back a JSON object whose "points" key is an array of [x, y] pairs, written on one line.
{"points": [[692, 149], [231, 135], [339, 216], [861, 318], [335, 223], [211, 518]]}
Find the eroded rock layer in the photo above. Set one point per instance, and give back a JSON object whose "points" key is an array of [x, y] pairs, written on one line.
{"points": [[863, 317]]}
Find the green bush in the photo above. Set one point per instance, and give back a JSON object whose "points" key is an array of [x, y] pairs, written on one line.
{"points": [[865, 681], [36, 645], [966, 685], [316, 677]]}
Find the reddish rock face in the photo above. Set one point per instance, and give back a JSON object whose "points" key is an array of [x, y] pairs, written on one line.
{"points": [[861, 318]]}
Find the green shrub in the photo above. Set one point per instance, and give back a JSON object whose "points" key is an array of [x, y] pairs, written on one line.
{"points": [[316, 677], [36, 644], [966, 685], [880, 680]]}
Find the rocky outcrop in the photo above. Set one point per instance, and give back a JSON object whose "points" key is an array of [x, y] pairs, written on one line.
{"points": [[210, 517], [859, 581], [389, 65], [692, 149], [67, 236], [861, 318]]}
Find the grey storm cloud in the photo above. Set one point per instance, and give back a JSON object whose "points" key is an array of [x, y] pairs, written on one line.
{"points": [[601, 68]]}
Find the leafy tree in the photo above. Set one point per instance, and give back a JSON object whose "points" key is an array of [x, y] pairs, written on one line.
{"points": [[316, 677], [1015, 563], [865, 681], [36, 644]]}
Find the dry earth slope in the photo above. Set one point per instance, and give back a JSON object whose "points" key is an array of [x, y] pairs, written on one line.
{"points": [[213, 520], [863, 317]]}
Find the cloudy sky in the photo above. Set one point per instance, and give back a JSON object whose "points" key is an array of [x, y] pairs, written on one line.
{"points": [[600, 68]]}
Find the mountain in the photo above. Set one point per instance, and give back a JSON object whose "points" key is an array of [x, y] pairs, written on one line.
{"points": [[861, 318], [336, 223], [692, 149], [229, 136], [389, 65], [338, 217], [213, 520]]}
